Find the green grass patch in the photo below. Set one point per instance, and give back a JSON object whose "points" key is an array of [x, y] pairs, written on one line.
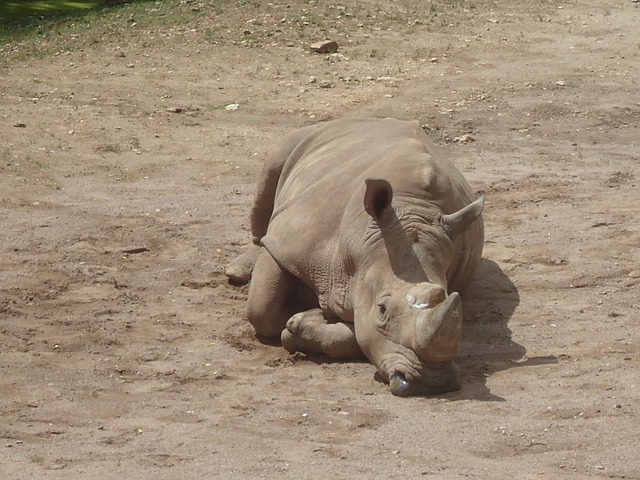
{"points": [[45, 27], [18, 11]]}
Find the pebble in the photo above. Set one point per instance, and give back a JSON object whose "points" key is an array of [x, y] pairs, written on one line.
{"points": [[174, 109], [120, 54], [232, 107], [464, 139], [326, 84], [327, 46]]}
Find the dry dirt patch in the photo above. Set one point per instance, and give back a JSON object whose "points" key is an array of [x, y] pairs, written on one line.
{"points": [[125, 188]]}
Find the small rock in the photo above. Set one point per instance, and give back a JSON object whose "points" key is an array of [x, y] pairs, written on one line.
{"points": [[232, 106], [130, 65], [336, 57], [174, 110], [313, 79], [433, 59], [561, 83], [119, 54], [327, 46], [20, 125], [326, 84], [464, 139]]}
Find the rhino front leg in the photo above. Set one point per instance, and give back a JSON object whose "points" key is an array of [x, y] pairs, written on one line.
{"points": [[274, 296], [270, 306], [310, 332]]}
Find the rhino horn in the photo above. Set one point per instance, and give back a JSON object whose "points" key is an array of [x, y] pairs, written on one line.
{"points": [[459, 221], [439, 331], [377, 197]]}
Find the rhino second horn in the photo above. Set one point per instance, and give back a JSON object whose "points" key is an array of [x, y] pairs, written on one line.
{"points": [[459, 221], [439, 331]]}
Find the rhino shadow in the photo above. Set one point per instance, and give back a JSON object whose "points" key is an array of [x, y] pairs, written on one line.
{"points": [[487, 347]]}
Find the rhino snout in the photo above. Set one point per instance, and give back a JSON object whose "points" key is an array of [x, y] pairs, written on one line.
{"points": [[432, 382], [439, 331]]}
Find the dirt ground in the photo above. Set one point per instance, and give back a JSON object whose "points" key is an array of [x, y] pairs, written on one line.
{"points": [[124, 191]]}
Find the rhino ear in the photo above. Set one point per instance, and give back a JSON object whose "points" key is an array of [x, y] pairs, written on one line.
{"points": [[459, 221], [377, 197]]}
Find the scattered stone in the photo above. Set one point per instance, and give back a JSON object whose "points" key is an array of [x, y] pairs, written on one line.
{"points": [[326, 84], [561, 83], [20, 125], [387, 79], [433, 59], [464, 139], [313, 79], [174, 109], [120, 54], [130, 65], [232, 106], [327, 46], [336, 57]]}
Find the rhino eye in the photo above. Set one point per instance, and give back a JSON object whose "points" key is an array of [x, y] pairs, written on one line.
{"points": [[382, 308]]}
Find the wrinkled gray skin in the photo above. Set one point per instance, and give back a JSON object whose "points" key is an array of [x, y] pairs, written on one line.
{"points": [[362, 235]]}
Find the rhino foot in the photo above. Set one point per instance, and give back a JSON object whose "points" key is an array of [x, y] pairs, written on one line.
{"points": [[310, 332], [240, 269]]}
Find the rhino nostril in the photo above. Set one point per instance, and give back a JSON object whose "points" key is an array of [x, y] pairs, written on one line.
{"points": [[399, 385]]}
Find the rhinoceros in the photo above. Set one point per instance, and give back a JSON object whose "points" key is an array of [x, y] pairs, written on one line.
{"points": [[363, 233]]}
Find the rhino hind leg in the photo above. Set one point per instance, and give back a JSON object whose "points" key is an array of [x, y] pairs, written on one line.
{"points": [[310, 332], [240, 269]]}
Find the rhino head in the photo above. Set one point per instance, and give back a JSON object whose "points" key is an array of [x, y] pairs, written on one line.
{"points": [[406, 322]]}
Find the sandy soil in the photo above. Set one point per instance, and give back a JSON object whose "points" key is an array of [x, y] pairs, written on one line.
{"points": [[124, 191]]}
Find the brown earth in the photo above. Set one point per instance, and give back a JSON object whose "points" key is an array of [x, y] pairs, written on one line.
{"points": [[124, 190]]}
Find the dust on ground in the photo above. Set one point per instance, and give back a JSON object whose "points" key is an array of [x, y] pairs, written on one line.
{"points": [[124, 190]]}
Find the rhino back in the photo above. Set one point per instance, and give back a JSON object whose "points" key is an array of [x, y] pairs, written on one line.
{"points": [[323, 183]]}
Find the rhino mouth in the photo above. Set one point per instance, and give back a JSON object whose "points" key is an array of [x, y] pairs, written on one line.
{"points": [[432, 381]]}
